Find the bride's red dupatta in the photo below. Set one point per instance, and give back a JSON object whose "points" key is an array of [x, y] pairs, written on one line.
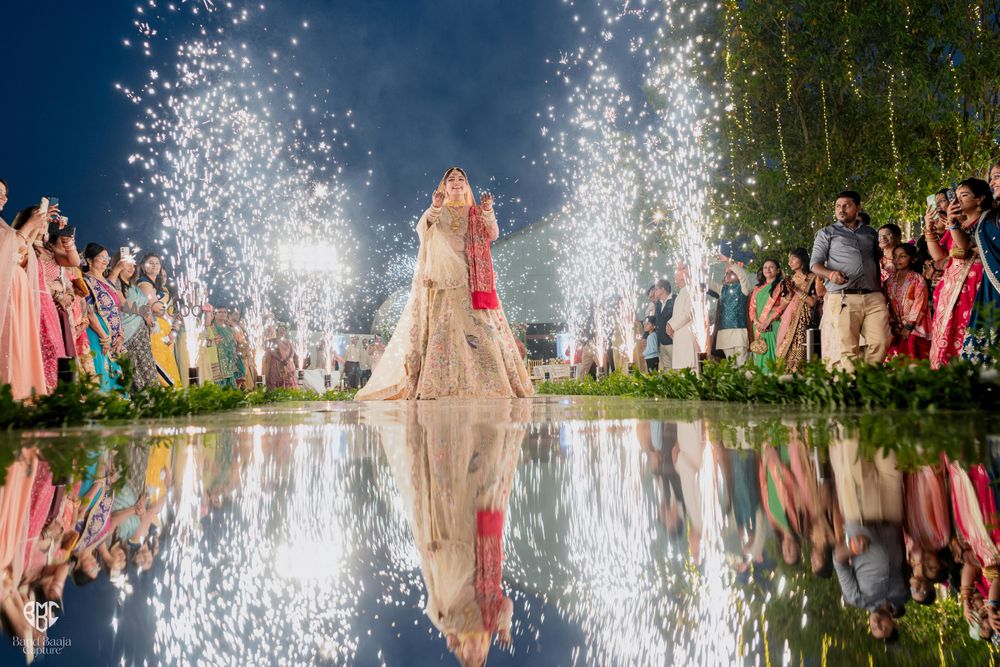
{"points": [[482, 280]]}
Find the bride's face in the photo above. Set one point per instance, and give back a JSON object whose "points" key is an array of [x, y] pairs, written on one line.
{"points": [[455, 185]]}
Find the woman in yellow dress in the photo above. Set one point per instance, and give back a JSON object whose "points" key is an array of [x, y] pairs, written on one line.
{"points": [[453, 338], [152, 282]]}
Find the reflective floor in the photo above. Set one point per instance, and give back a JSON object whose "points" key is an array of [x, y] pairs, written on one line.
{"points": [[550, 531]]}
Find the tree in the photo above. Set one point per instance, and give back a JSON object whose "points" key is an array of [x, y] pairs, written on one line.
{"points": [[893, 98]]}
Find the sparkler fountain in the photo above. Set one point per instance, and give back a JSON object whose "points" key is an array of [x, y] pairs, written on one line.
{"points": [[639, 164], [680, 149], [221, 162]]}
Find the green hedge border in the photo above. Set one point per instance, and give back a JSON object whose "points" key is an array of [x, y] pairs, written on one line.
{"points": [[902, 383], [76, 403]]}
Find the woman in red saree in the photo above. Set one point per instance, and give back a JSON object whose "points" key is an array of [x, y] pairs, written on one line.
{"points": [[453, 338], [909, 310], [956, 293]]}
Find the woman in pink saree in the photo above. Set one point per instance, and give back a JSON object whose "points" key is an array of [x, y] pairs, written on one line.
{"points": [[909, 310], [956, 293], [51, 254]]}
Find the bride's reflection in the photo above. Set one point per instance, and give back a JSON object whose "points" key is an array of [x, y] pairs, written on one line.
{"points": [[454, 472]]}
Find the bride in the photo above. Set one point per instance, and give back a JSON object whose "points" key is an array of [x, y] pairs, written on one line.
{"points": [[452, 338]]}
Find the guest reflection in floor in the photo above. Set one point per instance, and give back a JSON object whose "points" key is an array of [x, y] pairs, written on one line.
{"points": [[53, 527], [658, 440], [687, 454], [870, 566], [974, 508], [928, 530], [798, 502], [454, 477], [748, 515]]}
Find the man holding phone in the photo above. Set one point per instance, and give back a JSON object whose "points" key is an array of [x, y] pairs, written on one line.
{"points": [[843, 255]]}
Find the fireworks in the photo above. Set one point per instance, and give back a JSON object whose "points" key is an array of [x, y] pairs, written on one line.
{"points": [[232, 171], [638, 162]]}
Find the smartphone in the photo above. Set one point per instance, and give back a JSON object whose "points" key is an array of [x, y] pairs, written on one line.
{"points": [[43, 206], [53, 203], [55, 230], [126, 254], [932, 201], [951, 195]]}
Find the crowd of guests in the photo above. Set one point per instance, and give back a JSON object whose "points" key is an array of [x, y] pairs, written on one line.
{"points": [[890, 535], [63, 311], [865, 293], [105, 521]]}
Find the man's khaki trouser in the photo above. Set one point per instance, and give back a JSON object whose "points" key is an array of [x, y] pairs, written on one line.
{"points": [[853, 316]]}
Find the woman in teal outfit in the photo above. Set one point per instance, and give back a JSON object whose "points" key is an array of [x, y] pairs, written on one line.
{"points": [[104, 303], [765, 314]]}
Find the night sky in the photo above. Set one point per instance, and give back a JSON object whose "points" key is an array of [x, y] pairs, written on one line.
{"points": [[430, 84]]}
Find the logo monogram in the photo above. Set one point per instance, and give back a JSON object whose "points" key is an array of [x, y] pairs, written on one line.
{"points": [[40, 614]]}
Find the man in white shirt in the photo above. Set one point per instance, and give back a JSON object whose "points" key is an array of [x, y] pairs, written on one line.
{"points": [[679, 328]]}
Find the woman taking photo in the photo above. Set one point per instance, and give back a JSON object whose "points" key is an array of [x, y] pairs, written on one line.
{"points": [[453, 338], [52, 284], [798, 303], [982, 332], [21, 363], [956, 293], [765, 309]]}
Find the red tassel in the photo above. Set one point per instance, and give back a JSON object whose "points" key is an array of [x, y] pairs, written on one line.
{"points": [[489, 522], [485, 301]]}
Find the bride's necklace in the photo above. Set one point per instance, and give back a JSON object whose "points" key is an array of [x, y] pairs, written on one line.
{"points": [[455, 209]]}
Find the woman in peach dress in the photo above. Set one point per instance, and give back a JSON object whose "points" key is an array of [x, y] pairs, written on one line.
{"points": [[15, 501], [453, 338], [21, 363]]}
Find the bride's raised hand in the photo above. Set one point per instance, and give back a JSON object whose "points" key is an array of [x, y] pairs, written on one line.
{"points": [[437, 199], [487, 201]]}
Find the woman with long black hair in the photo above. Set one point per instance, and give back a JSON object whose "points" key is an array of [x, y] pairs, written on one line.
{"points": [[798, 301], [765, 313]]}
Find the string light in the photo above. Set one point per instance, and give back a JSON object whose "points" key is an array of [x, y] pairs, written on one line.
{"points": [[781, 145], [826, 124], [892, 138]]}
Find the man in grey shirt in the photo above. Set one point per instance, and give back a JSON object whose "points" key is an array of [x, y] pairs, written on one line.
{"points": [[844, 256], [872, 578]]}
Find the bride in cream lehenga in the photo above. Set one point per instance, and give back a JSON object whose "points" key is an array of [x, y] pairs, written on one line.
{"points": [[452, 339]]}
